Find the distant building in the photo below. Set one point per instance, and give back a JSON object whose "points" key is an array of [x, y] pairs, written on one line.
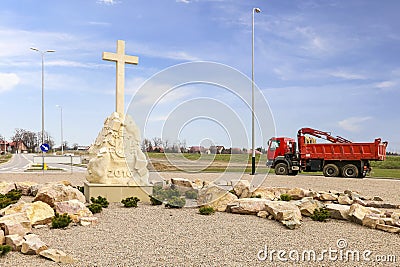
{"points": [[18, 147], [197, 149], [216, 149], [4, 146]]}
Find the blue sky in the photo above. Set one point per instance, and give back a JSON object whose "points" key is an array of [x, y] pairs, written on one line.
{"points": [[330, 65]]}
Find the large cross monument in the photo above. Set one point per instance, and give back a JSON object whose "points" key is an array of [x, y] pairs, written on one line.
{"points": [[118, 168]]}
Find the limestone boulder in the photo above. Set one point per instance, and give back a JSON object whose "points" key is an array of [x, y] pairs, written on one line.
{"points": [[264, 193], [2, 237], [263, 214], [32, 245], [325, 196], [381, 205], [57, 255], [87, 221], [15, 241], [357, 212], [74, 208], [37, 212], [339, 212], [297, 193], [6, 187], [247, 206], [26, 188], [345, 200], [182, 184], [57, 193], [216, 197], [242, 188], [16, 228], [285, 212], [278, 191], [388, 228], [371, 220], [308, 205]]}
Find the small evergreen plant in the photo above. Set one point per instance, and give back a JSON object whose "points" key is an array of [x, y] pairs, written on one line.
{"points": [[155, 201], [285, 197], [95, 208], [130, 202], [100, 200], [4, 249], [60, 221], [321, 215], [206, 210]]}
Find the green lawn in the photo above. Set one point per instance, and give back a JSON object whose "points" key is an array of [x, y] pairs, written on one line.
{"points": [[5, 158]]}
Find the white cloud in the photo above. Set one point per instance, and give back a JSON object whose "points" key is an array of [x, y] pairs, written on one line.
{"points": [[353, 124], [8, 81], [385, 84], [107, 2], [183, 1], [347, 75]]}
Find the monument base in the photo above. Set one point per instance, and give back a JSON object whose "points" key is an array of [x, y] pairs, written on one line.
{"points": [[117, 192]]}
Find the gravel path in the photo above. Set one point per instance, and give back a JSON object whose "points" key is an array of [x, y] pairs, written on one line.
{"points": [[156, 236]]}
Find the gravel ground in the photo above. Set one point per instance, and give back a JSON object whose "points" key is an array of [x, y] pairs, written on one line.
{"points": [[156, 236]]}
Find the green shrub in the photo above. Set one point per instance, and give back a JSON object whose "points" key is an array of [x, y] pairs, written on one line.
{"points": [[155, 201], [14, 194], [130, 202], [285, 197], [191, 194], [100, 200], [5, 201], [4, 249], [206, 210], [95, 208], [175, 203], [256, 196], [321, 215], [60, 221]]}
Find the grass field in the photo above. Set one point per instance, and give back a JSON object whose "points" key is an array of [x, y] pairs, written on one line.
{"points": [[390, 168], [5, 158]]}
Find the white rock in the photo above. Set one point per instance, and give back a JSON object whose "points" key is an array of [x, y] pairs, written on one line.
{"points": [[15, 241], [87, 221], [6, 187], [57, 193], [26, 187], [2, 238], [285, 212], [37, 212], [242, 188], [57, 255], [308, 205], [216, 197], [345, 200], [32, 245], [247, 205], [74, 208], [337, 211], [358, 212]]}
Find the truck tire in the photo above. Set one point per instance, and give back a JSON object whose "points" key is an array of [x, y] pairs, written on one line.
{"points": [[281, 169], [350, 171], [331, 170]]}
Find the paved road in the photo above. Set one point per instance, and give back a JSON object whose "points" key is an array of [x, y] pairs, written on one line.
{"points": [[21, 162]]}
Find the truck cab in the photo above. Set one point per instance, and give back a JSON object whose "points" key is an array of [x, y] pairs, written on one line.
{"points": [[282, 156]]}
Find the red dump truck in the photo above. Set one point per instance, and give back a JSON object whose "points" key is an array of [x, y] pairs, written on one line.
{"points": [[339, 157]]}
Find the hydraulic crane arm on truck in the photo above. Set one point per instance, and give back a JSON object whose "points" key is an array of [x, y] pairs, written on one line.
{"points": [[341, 157]]}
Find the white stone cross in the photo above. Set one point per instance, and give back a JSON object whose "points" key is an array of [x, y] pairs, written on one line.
{"points": [[120, 58]]}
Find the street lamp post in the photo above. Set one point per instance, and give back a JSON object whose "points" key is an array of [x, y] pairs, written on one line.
{"points": [[253, 155], [42, 54], [62, 137]]}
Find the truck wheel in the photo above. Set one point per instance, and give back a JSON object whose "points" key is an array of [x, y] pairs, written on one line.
{"points": [[350, 171], [281, 169], [331, 170]]}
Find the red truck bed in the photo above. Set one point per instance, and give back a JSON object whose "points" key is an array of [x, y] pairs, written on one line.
{"points": [[344, 151]]}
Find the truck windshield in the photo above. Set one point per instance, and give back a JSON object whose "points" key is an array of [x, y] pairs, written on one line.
{"points": [[273, 144]]}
